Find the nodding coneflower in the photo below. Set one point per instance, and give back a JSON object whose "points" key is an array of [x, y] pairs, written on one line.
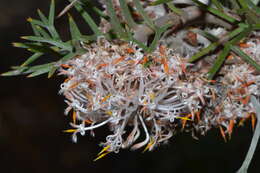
{"points": [[152, 95]]}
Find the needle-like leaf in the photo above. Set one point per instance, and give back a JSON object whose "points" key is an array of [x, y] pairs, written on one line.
{"points": [[245, 57], [146, 19], [127, 14]]}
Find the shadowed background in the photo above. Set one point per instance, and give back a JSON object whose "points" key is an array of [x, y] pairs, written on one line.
{"points": [[32, 120]]}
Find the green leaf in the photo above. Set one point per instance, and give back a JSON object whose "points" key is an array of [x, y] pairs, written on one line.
{"points": [[217, 4], [14, 72], [222, 15], [219, 61], [39, 69], [251, 11], [54, 33], [62, 60], [146, 18], [32, 59], [43, 17], [52, 71], [235, 5], [48, 24], [217, 12], [88, 19], [67, 57], [243, 4], [52, 13], [174, 9], [157, 37], [256, 26], [96, 10], [204, 51], [253, 6], [245, 57], [38, 48], [37, 22], [88, 38], [227, 47], [59, 44], [35, 30], [127, 14], [51, 18], [74, 30], [132, 39], [242, 34], [39, 72], [242, 28], [158, 2], [116, 25], [42, 32], [206, 34]]}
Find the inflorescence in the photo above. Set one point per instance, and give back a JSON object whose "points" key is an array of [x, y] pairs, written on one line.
{"points": [[146, 98]]}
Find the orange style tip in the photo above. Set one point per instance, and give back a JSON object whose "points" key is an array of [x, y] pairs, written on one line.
{"points": [[253, 120], [244, 45], [29, 19], [69, 131], [74, 117]]}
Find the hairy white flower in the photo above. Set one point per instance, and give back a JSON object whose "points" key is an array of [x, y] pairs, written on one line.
{"points": [[115, 83]]}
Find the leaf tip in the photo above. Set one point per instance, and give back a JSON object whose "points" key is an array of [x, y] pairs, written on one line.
{"points": [[29, 19], [4, 74], [29, 76], [15, 44], [69, 16], [24, 37], [22, 65]]}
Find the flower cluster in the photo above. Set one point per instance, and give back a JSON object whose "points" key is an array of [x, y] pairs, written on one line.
{"points": [[151, 96]]}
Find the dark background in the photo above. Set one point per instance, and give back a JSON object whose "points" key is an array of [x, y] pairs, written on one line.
{"points": [[32, 120]]}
